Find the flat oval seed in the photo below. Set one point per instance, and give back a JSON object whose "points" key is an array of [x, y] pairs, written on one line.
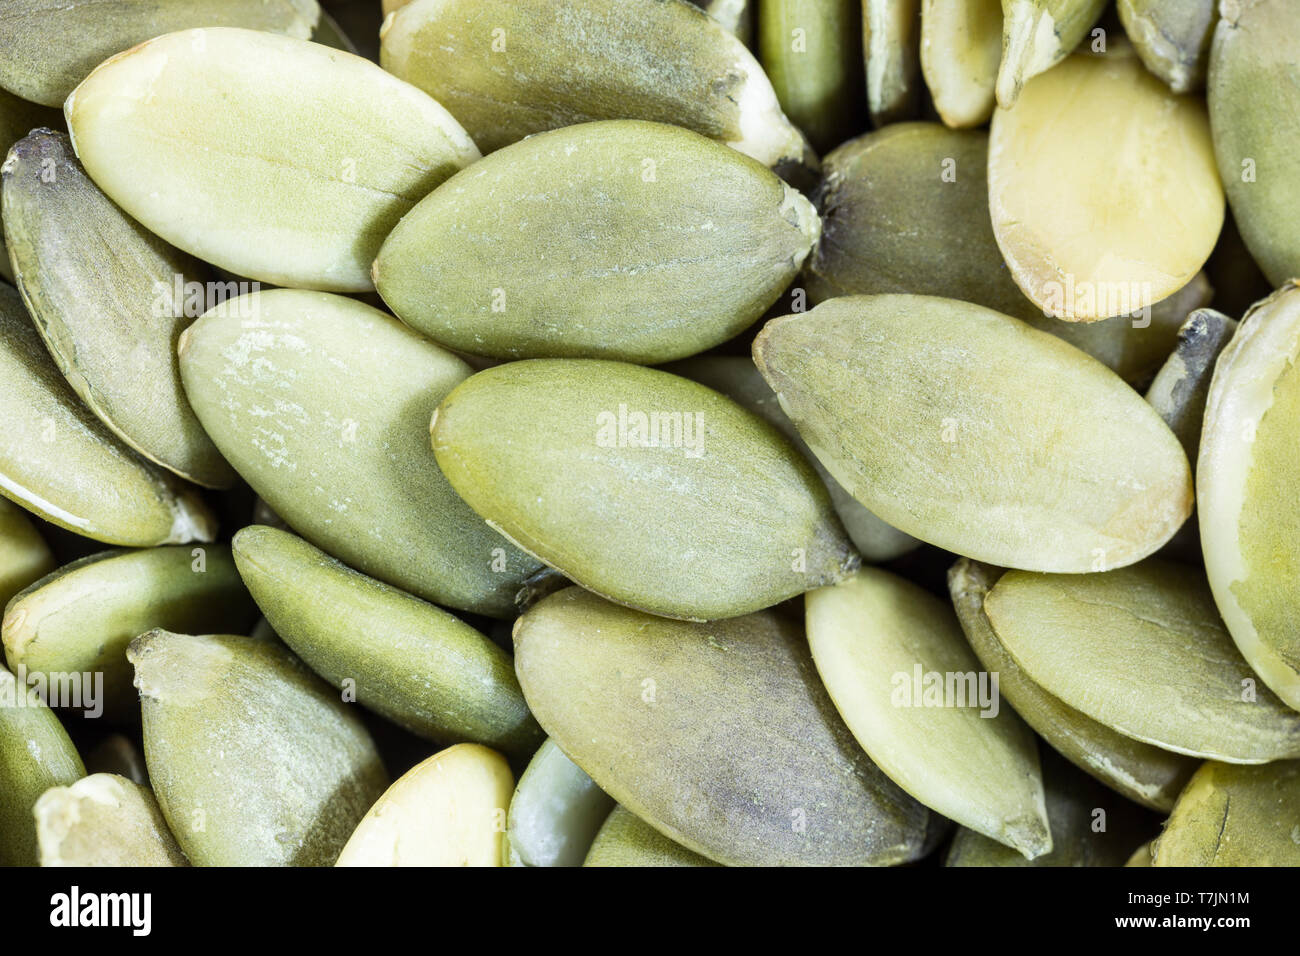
{"points": [[961, 46], [1090, 225], [254, 760], [493, 63], [555, 812], [1253, 92], [1142, 651], [305, 158], [1036, 35], [322, 404], [50, 45], [738, 379], [627, 840], [110, 300], [1148, 775], [1172, 37], [701, 511], [1249, 516], [1180, 389], [891, 32], [413, 662], [720, 735], [809, 49], [80, 619], [449, 810], [35, 754], [886, 650], [24, 555], [977, 433], [60, 462], [1235, 816], [104, 820], [632, 213]]}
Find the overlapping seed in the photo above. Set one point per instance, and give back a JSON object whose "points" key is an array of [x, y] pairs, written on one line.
{"points": [[1172, 37], [24, 555], [627, 840], [555, 812], [104, 820], [961, 47], [890, 46], [1037, 35]]}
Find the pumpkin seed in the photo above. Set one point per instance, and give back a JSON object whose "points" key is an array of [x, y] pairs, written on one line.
{"points": [[60, 462], [1235, 816], [720, 735], [1172, 37], [24, 555], [1142, 650], [1254, 82], [35, 754], [416, 664], [1090, 826], [80, 618], [627, 840], [961, 46], [877, 639], [891, 32], [118, 755], [464, 268], [642, 486], [554, 813], [321, 404], [1148, 775], [810, 51], [305, 160], [908, 402], [110, 301], [493, 63], [1124, 232], [50, 45], [1182, 385], [449, 810], [1249, 519], [1037, 35], [104, 820], [254, 760], [739, 380]]}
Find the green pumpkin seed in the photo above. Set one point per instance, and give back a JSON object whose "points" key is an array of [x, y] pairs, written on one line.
{"points": [[720, 735], [117, 754], [493, 63], [254, 760], [1249, 518], [1090, 826], [701, 511], [1254, 84], [1142, 650], [35, 754], [627, 840], [906, 209], [961, 46], [80, 619], [321, 404], [1126, 231], [810, 51], [891, 55], [1235, 816], [463, 267], [24, 555], [876, 640], [1180, 388], [555, 812], [977, 433], [50, 45], [109, 300], [449, 810], [60, 462], [304, 161], [739, 380], [1143, 773], [1036, 35], [1172, 37], [414, 663], [104, 820]]}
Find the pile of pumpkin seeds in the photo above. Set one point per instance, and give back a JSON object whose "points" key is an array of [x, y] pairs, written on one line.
{"points": [[644, 433]]}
